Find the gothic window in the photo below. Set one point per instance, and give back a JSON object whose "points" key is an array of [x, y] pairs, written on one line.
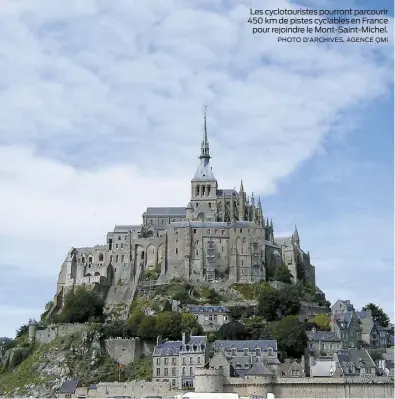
{"points": [[142, 255], [90, 259], [101, 257]]}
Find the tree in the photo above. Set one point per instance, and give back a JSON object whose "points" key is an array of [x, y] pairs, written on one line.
{"points": [[378, 314], [168, 325], [190, 325], [23, 329], [283, 274], [268, 303], [289, 299], [134, 321], [167, 306], [81, 306], [147, 328], [322, 322], [5, 344], [232, 330], [291, 336]]}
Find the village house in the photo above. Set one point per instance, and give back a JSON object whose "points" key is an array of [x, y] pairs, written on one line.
{"points": [[211, 318]]}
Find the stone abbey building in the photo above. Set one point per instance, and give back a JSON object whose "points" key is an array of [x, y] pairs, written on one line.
{"points": [[220, 235]]}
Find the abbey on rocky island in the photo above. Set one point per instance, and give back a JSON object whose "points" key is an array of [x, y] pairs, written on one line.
{"points": [[221, 235]]}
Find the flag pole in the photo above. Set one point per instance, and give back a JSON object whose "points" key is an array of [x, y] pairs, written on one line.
{"points": [[119, 372]]}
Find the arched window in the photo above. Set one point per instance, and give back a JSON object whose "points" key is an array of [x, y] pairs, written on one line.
{"points": [[101, 258], [90, 259], [142, 255]]}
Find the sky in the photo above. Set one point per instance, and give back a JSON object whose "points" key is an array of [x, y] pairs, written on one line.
{"points": [[101, 114]]}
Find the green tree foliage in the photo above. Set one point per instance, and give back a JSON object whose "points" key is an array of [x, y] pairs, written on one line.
{"points": [[283, 274], [289, 299], [22, 330], [378, 314], [142, 369], [134, 321], [168, 325], [232, 330], [82, 306], [167, 306], [322, 322], [269, 303], [291, 336], [190, 325], [236, 312], [147, 328], [5, 344]]}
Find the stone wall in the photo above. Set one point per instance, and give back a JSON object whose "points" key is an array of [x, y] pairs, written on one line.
{"points": [[135, 389], [319, 387], [124, 351], [279, 285], [55, 331]]}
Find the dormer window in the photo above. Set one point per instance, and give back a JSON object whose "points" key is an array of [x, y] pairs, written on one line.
{"points": [[233, 351], [245, 351], [258, 352], [270, 351]]}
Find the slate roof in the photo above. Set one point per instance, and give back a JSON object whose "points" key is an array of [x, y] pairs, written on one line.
{"points": [[208, 309], [283, 240], [322, 336], [173, 348], [69, 386], [127, 228], [166, 212], [360, 358], [241, 344], [259, 369], [214, 225], [227, 191], [204, 172]]}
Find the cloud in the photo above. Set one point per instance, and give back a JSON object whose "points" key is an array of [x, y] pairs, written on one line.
{"points": [[102, 113]]}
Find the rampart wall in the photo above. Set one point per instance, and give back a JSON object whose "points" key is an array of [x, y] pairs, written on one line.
{"points": [[137, 389], [124, 351], [55, 331], [319, 387]]}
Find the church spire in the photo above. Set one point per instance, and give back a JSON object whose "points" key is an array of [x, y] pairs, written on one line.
{"points": [[205, 149], [295, 236]]}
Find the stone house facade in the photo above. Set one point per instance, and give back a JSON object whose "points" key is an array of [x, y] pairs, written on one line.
{"points": [[211, 318], [348, 329], [342, 306], [243, 354], [175, 361], [322, 343]]}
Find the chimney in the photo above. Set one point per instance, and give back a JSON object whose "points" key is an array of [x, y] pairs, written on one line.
{"points": [[183, 338], [158, 340]]}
